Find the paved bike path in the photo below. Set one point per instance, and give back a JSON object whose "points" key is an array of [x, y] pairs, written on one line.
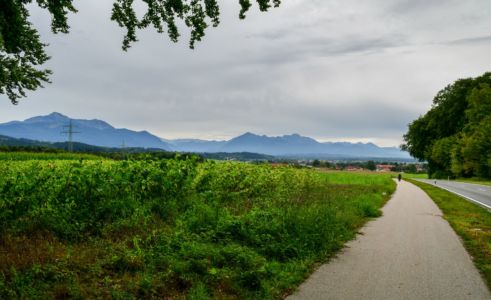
{"points": [[410, 252]]}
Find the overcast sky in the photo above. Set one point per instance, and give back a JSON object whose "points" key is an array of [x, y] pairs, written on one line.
{"points": [[329, 69]]}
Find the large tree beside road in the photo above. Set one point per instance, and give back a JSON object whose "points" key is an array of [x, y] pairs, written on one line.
{"points": [[454, 136], [22, 53]]}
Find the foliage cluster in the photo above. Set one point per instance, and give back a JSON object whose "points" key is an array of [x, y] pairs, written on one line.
{"points": [[455, 135], [22, 52], [173, 228]]}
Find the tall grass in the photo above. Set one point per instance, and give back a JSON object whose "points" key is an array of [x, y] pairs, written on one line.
{"points": [[173, 228]]}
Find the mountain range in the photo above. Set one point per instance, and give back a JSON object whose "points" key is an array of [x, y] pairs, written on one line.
{"points": [[99, 133], [93, 132]]}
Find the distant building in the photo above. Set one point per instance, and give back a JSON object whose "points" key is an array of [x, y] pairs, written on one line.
{"points": [[353, 168], [385, 168]]}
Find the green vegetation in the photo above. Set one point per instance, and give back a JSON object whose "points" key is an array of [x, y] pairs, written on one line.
{"points": [[455, 135], [417, 175], [55, 151], [474, 180], [240, 156], [9, 144], [46, 156], [470, 221], [173, 228], [370, 165]]}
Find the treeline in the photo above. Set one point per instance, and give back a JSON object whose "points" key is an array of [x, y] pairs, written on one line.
{"points": [[454, 136], [240, 156], [38, 152], [25, 145], [369, 165]]}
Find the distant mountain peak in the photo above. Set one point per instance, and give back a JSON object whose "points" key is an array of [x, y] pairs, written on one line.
{"points": [[96, 132], [298, 137], [52, 117], [248, 134], [57, 114]]}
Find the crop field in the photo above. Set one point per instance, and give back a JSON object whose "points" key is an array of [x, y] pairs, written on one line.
{"points": [[10, 156], [175, 228]]}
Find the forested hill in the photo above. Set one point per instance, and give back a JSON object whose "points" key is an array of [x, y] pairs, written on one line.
{"points": [[32, 145], [92, 132], [454, 136]]}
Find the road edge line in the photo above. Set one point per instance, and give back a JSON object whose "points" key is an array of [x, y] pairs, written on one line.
{"points": [[466, 197]]}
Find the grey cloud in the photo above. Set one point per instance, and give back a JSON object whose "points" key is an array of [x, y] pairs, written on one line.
{"points": [[307, 48], [409, 6], [473, 40], [327, 69]]}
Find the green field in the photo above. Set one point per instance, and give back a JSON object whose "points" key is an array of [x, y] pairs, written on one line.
{"points": [[16, 156], [470, 221], [415, 176], [173, 228]]}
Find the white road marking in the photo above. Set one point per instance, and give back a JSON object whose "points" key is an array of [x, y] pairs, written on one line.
{"points": [[467, 197]]}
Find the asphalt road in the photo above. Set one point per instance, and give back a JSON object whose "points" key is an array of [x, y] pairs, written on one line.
{"points": [[480, 194], [410, 252]]}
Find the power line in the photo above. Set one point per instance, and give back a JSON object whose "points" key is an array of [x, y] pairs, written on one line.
{"points": [[123, 149], [68, 130]]}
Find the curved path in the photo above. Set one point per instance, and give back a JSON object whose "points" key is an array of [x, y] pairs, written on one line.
{"points": [[408, 253]]}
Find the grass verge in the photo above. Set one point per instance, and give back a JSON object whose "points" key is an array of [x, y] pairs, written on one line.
{"points": [[470, 221], [475, 181], [414, 176]]}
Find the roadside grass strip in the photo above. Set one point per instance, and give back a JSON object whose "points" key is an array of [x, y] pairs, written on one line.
{"points": [[470, 221], [475, 181]]}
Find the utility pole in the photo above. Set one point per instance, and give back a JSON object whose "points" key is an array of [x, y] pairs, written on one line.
{"points": [[123, 150], [68, 130]]}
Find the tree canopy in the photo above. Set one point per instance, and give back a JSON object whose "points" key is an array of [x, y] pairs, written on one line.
{"points": [[22, 52], [454, 136]]}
